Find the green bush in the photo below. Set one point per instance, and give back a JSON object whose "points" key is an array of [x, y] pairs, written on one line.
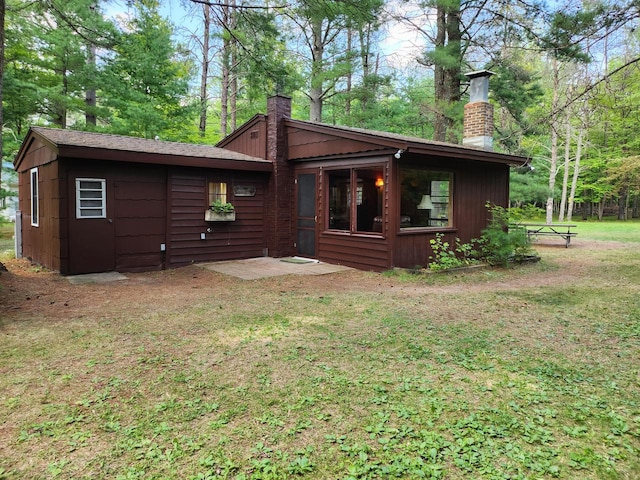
{"points": [[525, 212], [444, 258], [221, 207], [501, 242]]}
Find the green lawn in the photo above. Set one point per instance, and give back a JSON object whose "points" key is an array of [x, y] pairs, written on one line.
{"points": [[610, 230], [6, 241], [524, 373]]}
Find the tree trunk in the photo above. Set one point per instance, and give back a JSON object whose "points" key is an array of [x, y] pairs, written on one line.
{"points": [[347, 106], [622, 206], [601, 209], [365, 57], [317, 56], [204, 77], [554, 143], [233, 97], [226, 72], [2, 41], [447, 75], [440, 128], [576, 173], [90, 94], [233, 70], [565, 177], [452, 73], [60, 114]]}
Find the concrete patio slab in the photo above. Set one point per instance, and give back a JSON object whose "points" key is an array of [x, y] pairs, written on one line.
{"points": [[263, 267], [104, 277]]}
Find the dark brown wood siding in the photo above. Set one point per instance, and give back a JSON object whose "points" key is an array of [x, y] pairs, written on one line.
{"points": [[413, 249], [242, 238], [473, 187], [362, 251], [37, 153], [41, 244], [130, 237], [140, 206], [305, 144], [252, 142], [357, 251]]}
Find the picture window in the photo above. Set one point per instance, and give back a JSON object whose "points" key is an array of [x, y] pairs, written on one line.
{"points": [[425, 198], [356, 199]]}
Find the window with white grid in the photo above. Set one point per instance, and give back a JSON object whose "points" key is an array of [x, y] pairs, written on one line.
{"points": [[35, 195], [91, 198]]}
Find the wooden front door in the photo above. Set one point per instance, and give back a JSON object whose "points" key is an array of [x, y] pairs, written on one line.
{"points": [[306, 220], [91, 225]]}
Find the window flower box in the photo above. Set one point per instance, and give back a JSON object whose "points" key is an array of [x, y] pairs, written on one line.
{"points": [[211, 216], [220, 212]]}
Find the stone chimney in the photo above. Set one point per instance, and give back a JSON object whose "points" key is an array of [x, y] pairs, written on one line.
{"points": [[478, 113]]}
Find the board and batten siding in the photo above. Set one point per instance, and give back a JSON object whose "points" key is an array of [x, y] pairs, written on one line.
{"points": [[41, 243], [474, 187], [140, 203], [250, 139], [242, 238], [363, 252]]}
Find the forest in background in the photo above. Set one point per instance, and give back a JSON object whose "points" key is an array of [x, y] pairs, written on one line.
{"points": [[566, 86]]}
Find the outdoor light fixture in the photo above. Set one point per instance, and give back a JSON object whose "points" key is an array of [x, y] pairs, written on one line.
{"points": [[379, 182], [425, 203], [398, 154]]}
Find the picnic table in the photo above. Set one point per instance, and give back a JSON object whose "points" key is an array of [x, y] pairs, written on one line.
{"points": [[563, 230]]}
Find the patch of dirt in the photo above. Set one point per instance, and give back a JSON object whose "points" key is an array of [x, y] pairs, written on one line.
{"points": [[27, 291]]}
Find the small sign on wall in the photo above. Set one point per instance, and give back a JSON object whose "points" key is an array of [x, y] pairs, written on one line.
{"points": [[244, 190]]}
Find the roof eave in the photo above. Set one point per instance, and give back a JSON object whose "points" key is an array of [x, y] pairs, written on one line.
{"points": [[409, 146], [72, 151], [467, 153]]}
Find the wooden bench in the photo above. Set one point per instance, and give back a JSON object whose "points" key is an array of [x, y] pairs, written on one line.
{"points": [[535, 230]]}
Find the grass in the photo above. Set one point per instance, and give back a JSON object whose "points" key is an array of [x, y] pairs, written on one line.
{"points": [[6, 241], [610, 230], [451, 377]]}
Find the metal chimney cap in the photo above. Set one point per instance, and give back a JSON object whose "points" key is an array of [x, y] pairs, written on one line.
{"points": [[479, 73]]}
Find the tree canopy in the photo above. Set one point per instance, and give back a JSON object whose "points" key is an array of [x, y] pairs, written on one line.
{"points": [[564, 85]]}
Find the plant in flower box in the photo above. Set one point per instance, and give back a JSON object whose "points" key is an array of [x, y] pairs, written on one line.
{"points": [[220, 212]]}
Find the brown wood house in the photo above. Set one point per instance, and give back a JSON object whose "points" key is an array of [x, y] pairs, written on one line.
{"points": [[371, 200], [91, 202]]}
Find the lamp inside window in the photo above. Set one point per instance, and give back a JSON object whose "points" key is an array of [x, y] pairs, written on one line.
{"points": [[425, 198], [425, 203]]}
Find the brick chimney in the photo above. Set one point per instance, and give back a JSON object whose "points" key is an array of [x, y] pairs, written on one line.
{"points": [[278, 215], [478, 113]]}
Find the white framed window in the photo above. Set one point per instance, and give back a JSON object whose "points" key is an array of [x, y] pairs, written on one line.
{"points": [[91, 198], [35, 197]]}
